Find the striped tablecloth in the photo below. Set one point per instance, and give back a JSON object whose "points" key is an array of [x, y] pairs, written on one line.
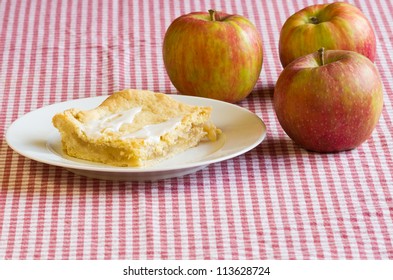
{"points": [[277, 201]]}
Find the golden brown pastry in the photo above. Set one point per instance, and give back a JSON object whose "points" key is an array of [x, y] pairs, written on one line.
{"points": [[134, 128]]}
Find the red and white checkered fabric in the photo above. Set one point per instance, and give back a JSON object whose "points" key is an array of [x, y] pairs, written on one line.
{"points": [[274, 202]]}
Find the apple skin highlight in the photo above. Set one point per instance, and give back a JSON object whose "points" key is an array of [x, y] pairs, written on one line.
{"points": [[331, 107]]}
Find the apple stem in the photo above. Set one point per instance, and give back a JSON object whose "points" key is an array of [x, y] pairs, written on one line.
{"points": [[321, 52], [314, 20], [212, 15]]}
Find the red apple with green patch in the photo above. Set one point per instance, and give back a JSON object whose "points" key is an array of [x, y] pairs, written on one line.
{"points": [[335, 26], [329, 101], [213, 54]]}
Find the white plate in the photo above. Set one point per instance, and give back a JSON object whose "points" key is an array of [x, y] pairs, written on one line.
{"points": [[34, 137]]}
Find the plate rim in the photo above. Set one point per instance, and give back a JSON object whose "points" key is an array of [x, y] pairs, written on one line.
{"points": [[132, 170]]}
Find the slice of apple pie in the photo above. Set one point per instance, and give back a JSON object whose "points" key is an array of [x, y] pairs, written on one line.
{"points": [[134, 128]]}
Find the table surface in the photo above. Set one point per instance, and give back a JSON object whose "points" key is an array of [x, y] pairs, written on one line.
{"points": [[277, 201]]}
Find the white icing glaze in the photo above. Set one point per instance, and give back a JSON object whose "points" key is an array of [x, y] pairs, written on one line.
{"points": [[111, 123], [153, 132], [150, 133]]}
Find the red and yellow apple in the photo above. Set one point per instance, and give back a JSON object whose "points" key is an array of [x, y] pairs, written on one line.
{"points": [[329, 101], [335, 26], [213, 54]]}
